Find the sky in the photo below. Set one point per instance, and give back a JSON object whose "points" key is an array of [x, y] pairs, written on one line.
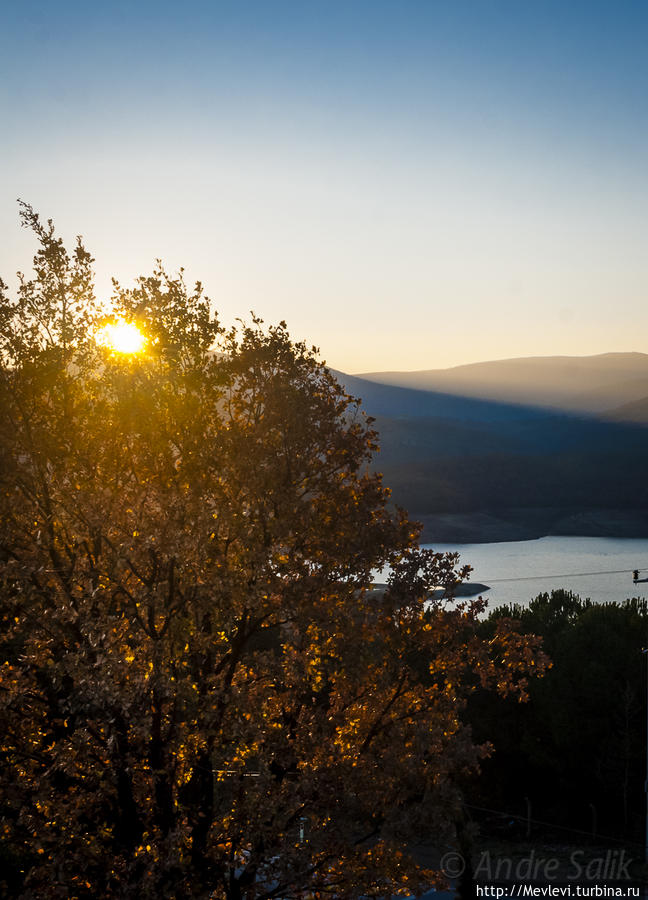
{"points": [[410, 185]]}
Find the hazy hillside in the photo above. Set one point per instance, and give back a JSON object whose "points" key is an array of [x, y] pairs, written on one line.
{"points": [[630, 412], [476, 469], [403, 402], [586, 384]]}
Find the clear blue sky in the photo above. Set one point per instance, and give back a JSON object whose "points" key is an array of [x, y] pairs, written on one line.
{"points": [[408, 184]]}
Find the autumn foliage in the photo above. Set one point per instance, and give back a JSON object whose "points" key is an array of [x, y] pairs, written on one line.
{"points": [[200, 694]]}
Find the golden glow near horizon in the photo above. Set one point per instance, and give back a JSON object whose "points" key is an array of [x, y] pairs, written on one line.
{"points": [[122, 337]]}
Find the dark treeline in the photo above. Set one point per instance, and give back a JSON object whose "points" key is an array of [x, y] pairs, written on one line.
{"points": [[576, 752]]}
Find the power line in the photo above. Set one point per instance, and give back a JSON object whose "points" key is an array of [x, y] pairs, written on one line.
{"points": [[566, 575], [605, 837]]}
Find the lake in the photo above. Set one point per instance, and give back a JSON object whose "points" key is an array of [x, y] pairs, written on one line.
{"points": [[517, 571]]}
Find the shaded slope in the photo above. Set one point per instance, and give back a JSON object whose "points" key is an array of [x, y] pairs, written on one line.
{"points": [[400, 402], [525, 470]]}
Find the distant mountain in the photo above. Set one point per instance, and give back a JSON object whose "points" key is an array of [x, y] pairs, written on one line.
{"points": [[478, 469], [590, 384]]}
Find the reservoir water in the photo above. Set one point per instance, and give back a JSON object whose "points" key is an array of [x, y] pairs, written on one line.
{"points": [[517, 571]]}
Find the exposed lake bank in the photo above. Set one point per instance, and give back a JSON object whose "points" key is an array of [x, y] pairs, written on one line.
{"points": [[517, 524]]}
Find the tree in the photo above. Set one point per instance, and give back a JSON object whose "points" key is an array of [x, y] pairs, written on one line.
{"points": [[577, 749], [202, 695]]}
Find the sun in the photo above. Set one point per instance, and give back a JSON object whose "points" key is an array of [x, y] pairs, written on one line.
{"points": [[121, 336]]}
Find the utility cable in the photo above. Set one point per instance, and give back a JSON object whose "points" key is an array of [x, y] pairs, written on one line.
{"points": [[606, 837], [567, 575]]}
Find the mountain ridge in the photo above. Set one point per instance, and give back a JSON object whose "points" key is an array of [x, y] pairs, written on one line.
{"points": [[588, 384]]}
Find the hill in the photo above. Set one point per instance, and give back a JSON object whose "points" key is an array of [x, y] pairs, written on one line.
{"points": [[590, 384], [478, 469]]}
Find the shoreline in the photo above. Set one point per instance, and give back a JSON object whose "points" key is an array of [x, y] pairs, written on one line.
{"points": [[498, 526]]}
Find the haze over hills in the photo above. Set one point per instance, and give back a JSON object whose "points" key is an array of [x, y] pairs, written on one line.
{"points": [[590, 384], [636, 411], [518, 448]]}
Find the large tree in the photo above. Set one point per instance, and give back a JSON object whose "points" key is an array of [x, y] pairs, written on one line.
{"points": [[200, 693]]}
